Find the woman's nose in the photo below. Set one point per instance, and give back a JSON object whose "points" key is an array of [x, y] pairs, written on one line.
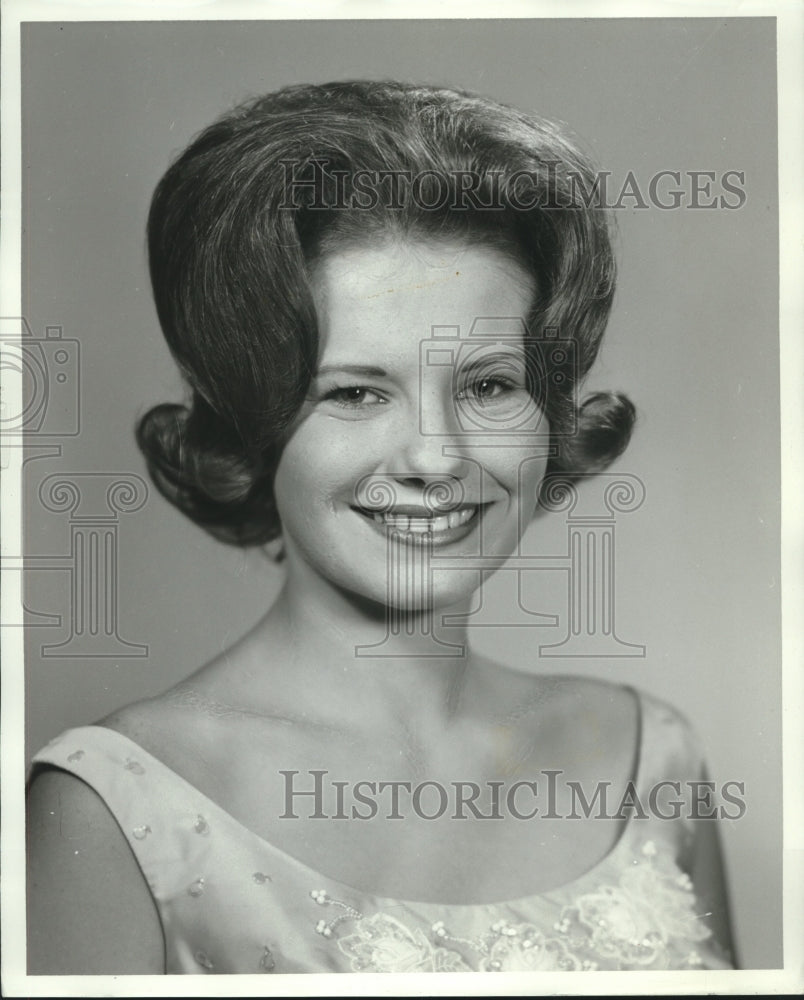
{"points": [[433, 443]]}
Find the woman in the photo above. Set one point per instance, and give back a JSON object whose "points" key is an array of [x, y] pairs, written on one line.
{"points": [[359, 281]]}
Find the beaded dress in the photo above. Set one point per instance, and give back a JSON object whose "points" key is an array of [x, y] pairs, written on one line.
{"points": [[231, 902]]}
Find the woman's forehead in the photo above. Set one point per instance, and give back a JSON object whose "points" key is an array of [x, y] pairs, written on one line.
{"points": [[405, 289]]}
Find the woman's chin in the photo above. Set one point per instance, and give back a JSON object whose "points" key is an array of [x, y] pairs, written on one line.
{"points": [[447, 590]]}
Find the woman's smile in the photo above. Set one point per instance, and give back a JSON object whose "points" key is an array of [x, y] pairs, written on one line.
{"points": [[416, 429], [418, 525]]}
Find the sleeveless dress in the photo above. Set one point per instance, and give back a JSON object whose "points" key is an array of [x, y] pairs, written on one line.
{"points": [[230, 902]]}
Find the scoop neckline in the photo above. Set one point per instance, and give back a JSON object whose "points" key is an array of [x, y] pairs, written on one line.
{"points": [[319, 877]]}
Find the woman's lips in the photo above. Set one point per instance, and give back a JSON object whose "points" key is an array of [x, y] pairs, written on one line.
{"points": [[417, 524]]}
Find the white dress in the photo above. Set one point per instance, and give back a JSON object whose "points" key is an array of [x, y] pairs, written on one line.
{"points": [[231, 902]]}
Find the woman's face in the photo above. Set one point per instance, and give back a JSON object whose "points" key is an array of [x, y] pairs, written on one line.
{"points": [[420, 439]]}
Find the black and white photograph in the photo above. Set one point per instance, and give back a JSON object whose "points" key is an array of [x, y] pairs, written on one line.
{"points": [[397, 407]]}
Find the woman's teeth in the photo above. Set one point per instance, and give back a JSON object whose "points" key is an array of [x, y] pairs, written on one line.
{"points": [[425, 524]]}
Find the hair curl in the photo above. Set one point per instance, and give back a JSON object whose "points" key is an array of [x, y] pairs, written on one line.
{"points": [[236, 224]]}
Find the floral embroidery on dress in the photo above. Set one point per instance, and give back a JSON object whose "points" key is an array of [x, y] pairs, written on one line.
{"points": [[382, 943], [527, 949], [646, 919]]}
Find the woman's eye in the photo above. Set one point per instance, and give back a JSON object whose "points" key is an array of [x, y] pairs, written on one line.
{"points": [[486, 390], [353, 397]]}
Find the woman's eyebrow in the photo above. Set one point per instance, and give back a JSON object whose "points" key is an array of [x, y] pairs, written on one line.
{"points": [[368, 371], [482, 359]]}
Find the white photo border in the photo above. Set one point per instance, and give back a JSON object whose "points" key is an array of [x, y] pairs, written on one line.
{"points": [[790, 40]]}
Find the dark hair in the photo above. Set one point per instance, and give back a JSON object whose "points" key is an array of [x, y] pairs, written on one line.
{"points": [[241, 216]]}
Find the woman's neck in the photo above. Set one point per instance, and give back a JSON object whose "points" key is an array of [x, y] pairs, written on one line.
{"points": [[355, 660]]}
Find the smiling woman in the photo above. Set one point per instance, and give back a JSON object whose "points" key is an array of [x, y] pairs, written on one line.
{"points": [[354, 438], [383, 380]]}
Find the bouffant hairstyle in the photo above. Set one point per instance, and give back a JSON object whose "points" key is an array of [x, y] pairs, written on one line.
{"points": [[239, 220]]}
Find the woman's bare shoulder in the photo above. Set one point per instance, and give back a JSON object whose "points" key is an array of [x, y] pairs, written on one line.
{"points": [[194, 714], [178, 727], [567, 720], [204, 733], [527, 691]]}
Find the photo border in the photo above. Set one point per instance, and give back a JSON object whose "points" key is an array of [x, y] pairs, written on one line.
{"points": [[790, 39]]}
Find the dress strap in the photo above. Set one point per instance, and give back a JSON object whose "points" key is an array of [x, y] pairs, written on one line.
{"points": [[669, 746], [671, 763], [157, 811]]}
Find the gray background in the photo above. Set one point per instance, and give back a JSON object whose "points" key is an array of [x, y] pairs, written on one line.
{"points": [[693, 339]]}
